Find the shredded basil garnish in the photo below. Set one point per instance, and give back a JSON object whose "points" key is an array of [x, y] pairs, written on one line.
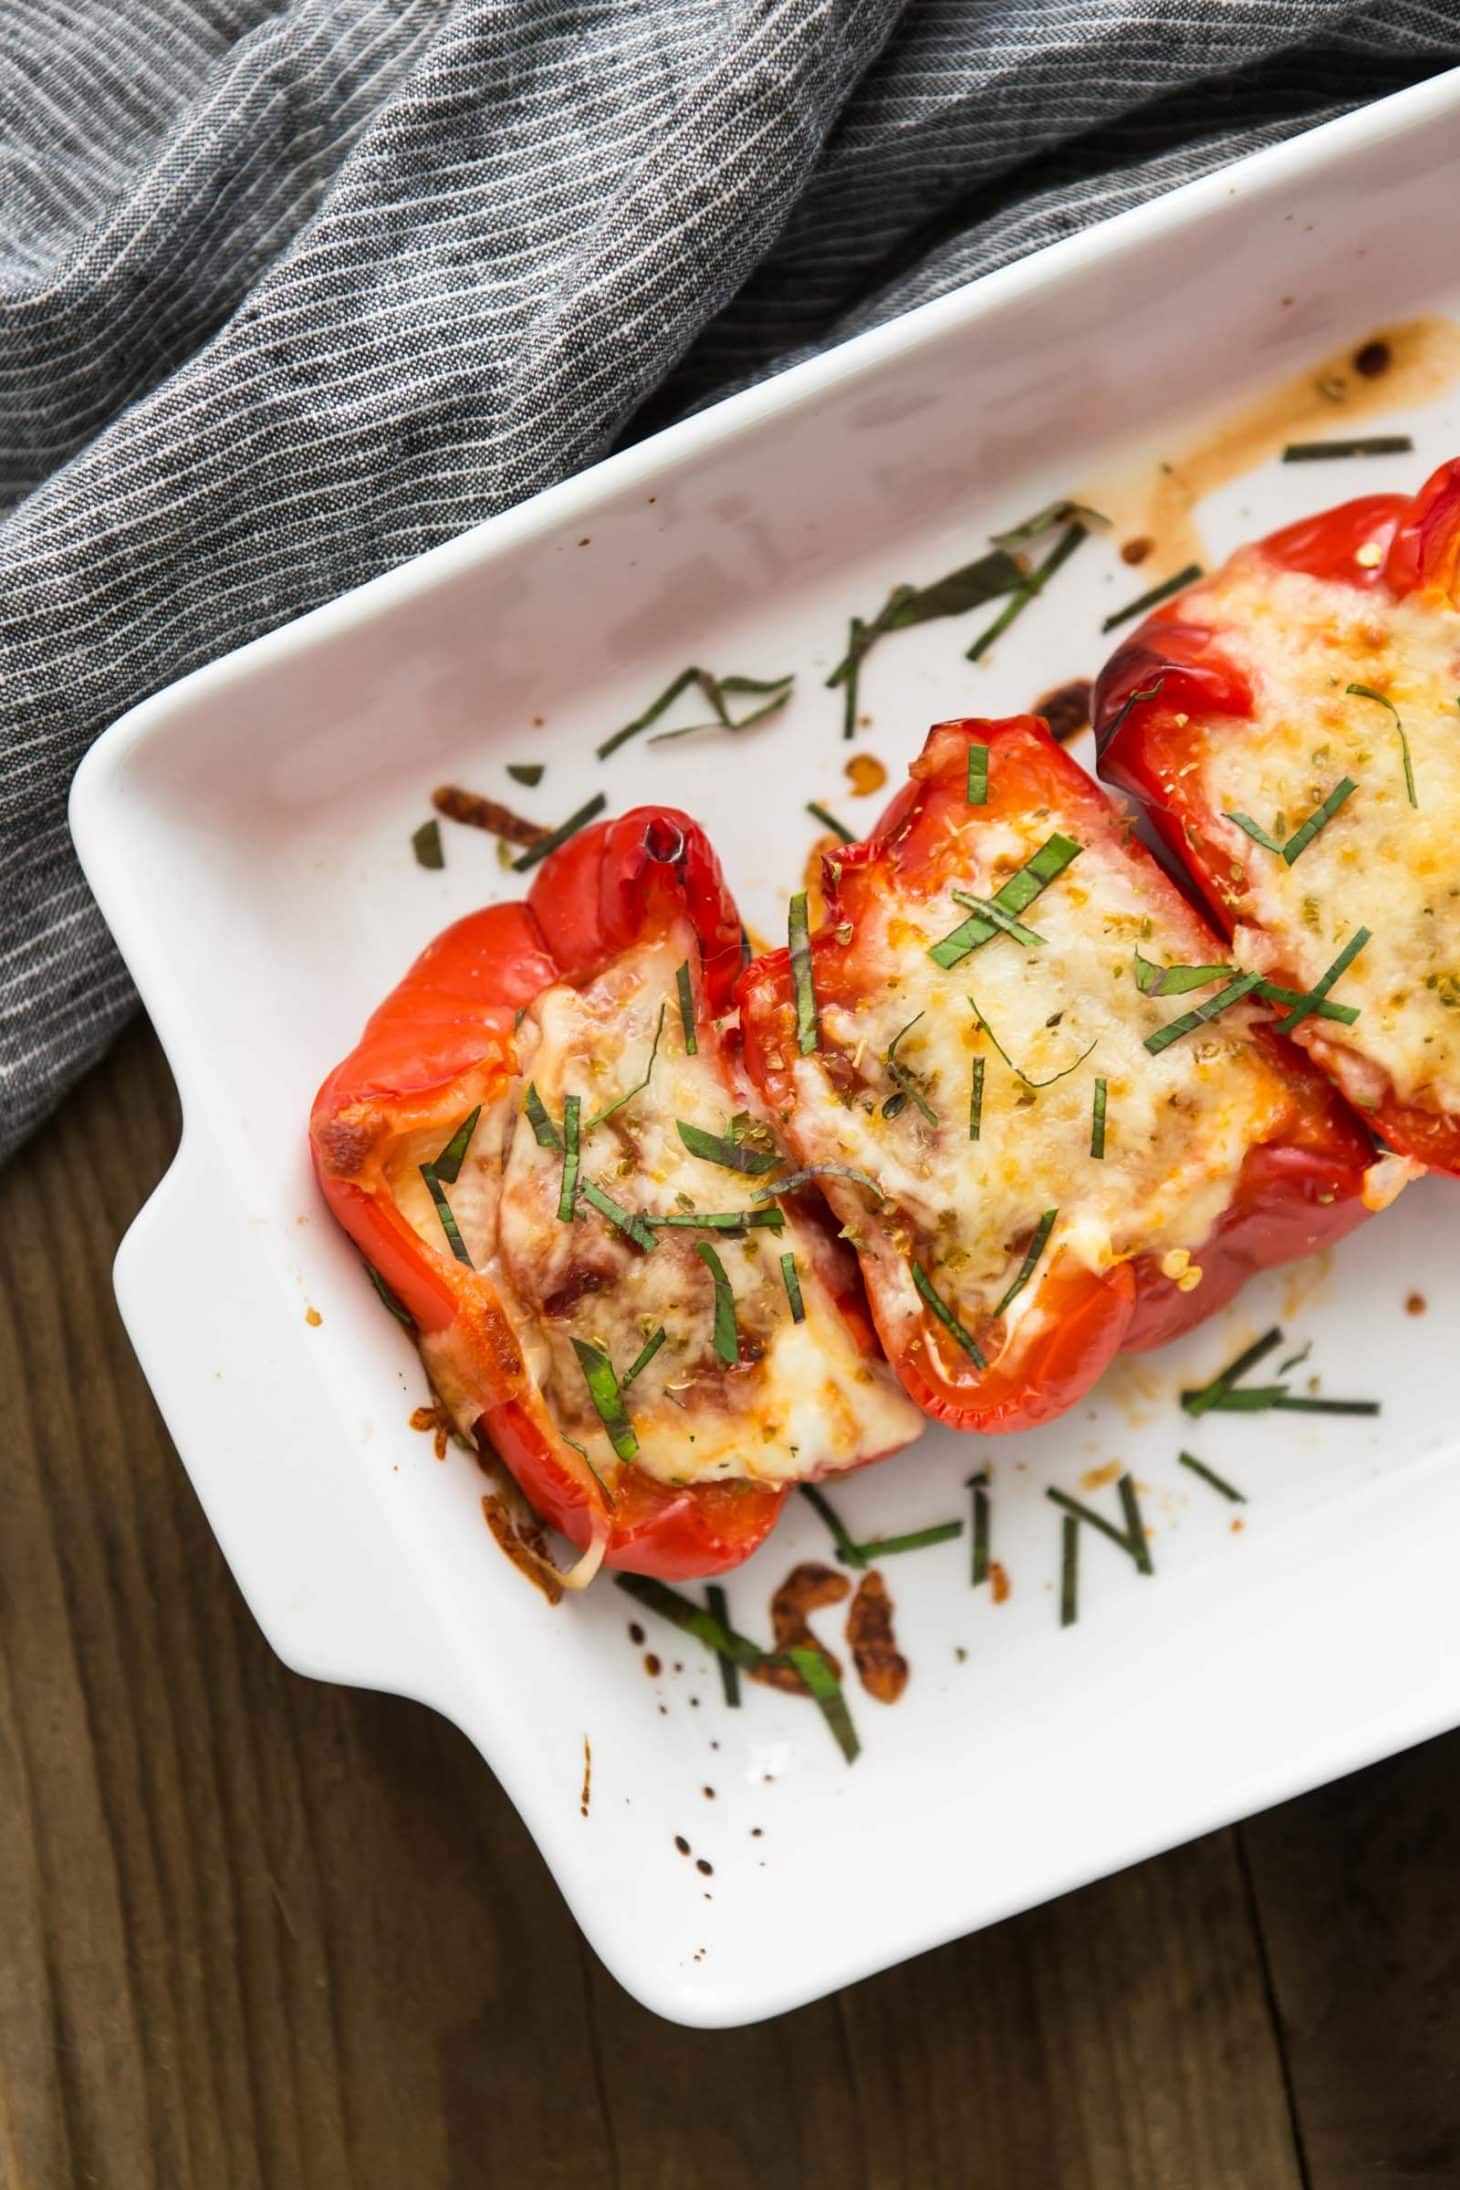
{"points": [[1374, 444], [651, 1347], [847, 1550], [529, 772], [907, 1084], [607, 1397], [883, 1547], [792, 1283], [1307, 1004], [545, 1133], [1207, 1396], [826, 1690], [443, 1210], [975, 1100], [931, 1297], [426, 844], [568, 1195], [401, 1313], [1131, 1539], [1045, 520], [718, 1605], [1134, 699], [1097, 1121], [819, 1171], [639, 1088], [829, 821], [685, 987], [1015, 896], [1156, 595], [1320, 817], [657, 1597], [629, 1222], [726, 1336], [1189, 1021], [1069, 1571], [1154, 980], [1366, 692], [1210, 1475], [724, 1220], [1255, 830], [447, 1166], [731, 1155], [808, 1030], [1027, 1268], [1029, 589], [714, 689], [560, 835], [1018, 1070], [989, 908], [978, 775], [982, 1529]]}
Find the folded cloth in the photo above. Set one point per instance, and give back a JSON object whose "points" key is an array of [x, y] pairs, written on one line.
{"points": [[293, 289]]}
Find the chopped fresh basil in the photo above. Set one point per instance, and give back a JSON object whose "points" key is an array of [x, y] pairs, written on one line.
{"points": [[607, 1397]]}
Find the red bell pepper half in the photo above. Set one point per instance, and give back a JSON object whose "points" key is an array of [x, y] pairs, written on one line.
{"points": [[1293, 724], [504, 1147], [980, 1055]]}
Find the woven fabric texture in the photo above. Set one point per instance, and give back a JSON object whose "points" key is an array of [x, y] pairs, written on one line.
{"points": [[293, 289]]}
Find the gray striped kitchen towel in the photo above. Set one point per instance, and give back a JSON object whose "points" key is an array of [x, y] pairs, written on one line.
{"points": [[292, 289]]}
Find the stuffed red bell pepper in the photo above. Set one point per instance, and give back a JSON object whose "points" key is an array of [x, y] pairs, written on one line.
{"points": [[1293, 723], [1043, 1140], [545, 1144]]}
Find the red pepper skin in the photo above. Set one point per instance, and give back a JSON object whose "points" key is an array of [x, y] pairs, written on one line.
{"points": [[444, 1040], [1147, 744], [1298, 1191]]}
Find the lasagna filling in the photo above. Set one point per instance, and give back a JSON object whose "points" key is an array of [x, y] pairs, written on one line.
{"points": [[1379, 862], [757, 1373]]}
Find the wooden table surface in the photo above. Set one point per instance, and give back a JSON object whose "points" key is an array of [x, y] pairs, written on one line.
{"points": [[258, 1931]]}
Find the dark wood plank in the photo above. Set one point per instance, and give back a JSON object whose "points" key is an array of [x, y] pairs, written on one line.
{"points": [[261, 1932], [1358, 1892], [256, 1931]]}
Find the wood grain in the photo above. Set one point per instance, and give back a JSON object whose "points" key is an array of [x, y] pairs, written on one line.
{"points": [[259, 1932]]}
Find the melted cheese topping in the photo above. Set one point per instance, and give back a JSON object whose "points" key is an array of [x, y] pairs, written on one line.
{"points": [[803, 1400], [1379, 863], [1178, 1124]]}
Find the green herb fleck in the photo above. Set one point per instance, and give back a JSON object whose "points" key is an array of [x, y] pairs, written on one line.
{"points": [[731, 1155], [1131, 1539], [651, 1347], [829, 821], [685, 988], [529, 772], [1209, 1475], [1189, 1021], [443, 1210], [940, 1308], [1374, 444], [982, 1528], [426, 844], [568, 1196], [978, 775], [1069, 1571], [604, 1391], [447, 1166], [560, 835], [1154, 597], [1366, 692], [726, 1336], [808, 1031], [792, 1284], [1015, 896], [975, 1100], [847, 1550], [1154, 980], [826, 1689], [718, 1605], [1307, 1004], [545, 1133], [633, 1226], [1029, 589], [640, 1085], [1031, 1260], [1097, 1121]]}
